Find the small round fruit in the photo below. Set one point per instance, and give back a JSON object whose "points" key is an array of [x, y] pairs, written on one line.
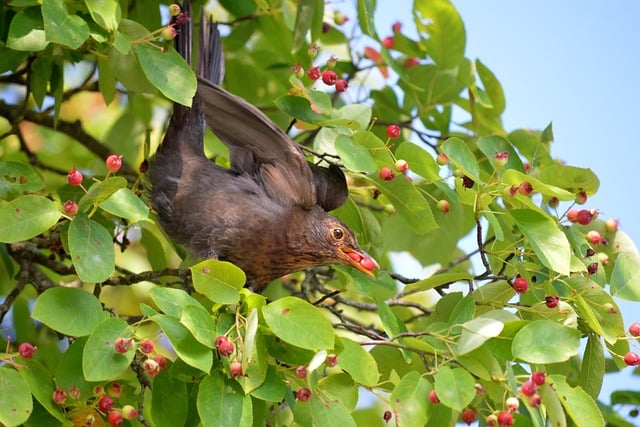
{"points": [[525, 188], [123, 345], [396, 27], [161, 361], [342, 85], [610, 308], [535, 400], [303, 395], [301, 372], [401, 165], [412, 61], [115, 418], [226, 348], [235, 369], [581, 198], [368, 264], [433, 397], [114, 162], [26, 350], [169, 32], [634, 329], [513, 404], [592, 268], [529, 388], [468, 415], [520, 284], [147, 346], [332, 360], [492, 420], [572, 215], [105, 404], [632, 358], [594, 237], [329, 77], [388, 42], [129, 412], [70, 207], [151, 367], [505, 419], [387, 174], [443, 206], [442, 159], [553, 202], [611, 225], [314, 73], [298, 71], [59, 396], [339, 18], [393, 131], [551, 301], [538, 377], [584, 217], [74, 177], [174, 10], [500, 159], [114, 389]]}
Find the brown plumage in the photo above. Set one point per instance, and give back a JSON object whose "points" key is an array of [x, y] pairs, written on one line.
{"points": [[267, 213]]}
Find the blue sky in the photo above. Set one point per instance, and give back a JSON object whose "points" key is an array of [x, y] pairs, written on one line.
{"points": [[576, 64]]}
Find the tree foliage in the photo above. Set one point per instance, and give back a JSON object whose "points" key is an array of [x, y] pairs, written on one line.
{"points": [[518, 277]]}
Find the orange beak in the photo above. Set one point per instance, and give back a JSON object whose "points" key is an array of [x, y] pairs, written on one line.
{"points": [[359, 260]]}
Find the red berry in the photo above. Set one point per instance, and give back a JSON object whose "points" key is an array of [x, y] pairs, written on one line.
{"points": [[611, 225], [433, 397], [594, 237], [525, 188], [220, 338], [314, 73], [70, 207], [529, 388], [442, 159], [226, 348], [552, 301], [341, 85], [151, 367], [401, 165], [161, 361], [520, 285], [114, 162], [387, 416], [303, 395], [393, 131], [396, 27], [301, 372], [332, 360], [122, 345], [388, 42], [634, 329], [368, 264], [329, 77], [584, 217], [581, 198], [59, 396], [535, 400], [538, 377], [74, 177], [632, 359], [386, 174], [505, 419], [129, 412], [572, 215], [105, 404], [26, 350], [115, 418], [500, 159], [468, 415], [114, 390], [235, 369], [410, 62], [553, 202], [443, 206], [147, 346]]}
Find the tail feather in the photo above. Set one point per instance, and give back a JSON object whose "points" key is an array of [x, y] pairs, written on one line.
{"points": [[210, 54]]}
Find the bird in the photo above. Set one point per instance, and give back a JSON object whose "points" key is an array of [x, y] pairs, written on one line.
{"points": [[268, 212]]}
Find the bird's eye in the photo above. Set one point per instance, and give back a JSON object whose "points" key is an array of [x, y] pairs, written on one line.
{"points": [[338, 233]]}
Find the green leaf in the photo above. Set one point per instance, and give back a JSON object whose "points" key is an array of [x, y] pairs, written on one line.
{"points": [[493, 88], [546, 239], [17, 178], [330, 413], [101, 191], [91, 249], [125, 204], [625, 278], [26, 32], [421, 162], [15, 397], [358, 363], [168, 72], [221, 402], [462, 157], [571, 178], [545, 341], [579, 405], [272, 389], [100, 360], [455, 387], [476, 332], [52, 308], [200, 323], [299, 323], [354, 157], [171, 301], [185, 345], [106, 79], [26, 217], [106, 13], [366, 9], [254, 356], [41, 386], [442, 30], [169, 401], [515, 177], [60, 27], [299, 108], [597, 308], [69, 373], [304, 18], [409, 399], [220, 281], [593, 367]]}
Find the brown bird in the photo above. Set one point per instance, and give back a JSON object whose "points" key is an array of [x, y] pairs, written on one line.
{"points": [[267, 213]]}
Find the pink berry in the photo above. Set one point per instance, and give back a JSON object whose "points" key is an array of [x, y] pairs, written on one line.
{"points": [[443, 206], [581, 198], [387, 174], [114, 162], [529, 388], [368, 264], [151, 367], [535, 400], [26, 350], [329, 77], [525, 188], [115, 418], [105, 404], [468, 415], [553, 202], [301, 372], [500, 159], [74, 177], [70, 207], [410, 62], [538, 377], [161, 361], [129, 412], [396, 27], [220, 339], [169, 32], [401, 165], [505, 419], [584, 217], [314, 73], [393, 131], [332, 360], [594, 237], [114, 390], [226, 348], [513, 404], [388, 42], [59, 396], [572, 215], [520, 285], [632, 359], [122, 345], [303, 395], [552, 301], [634, 329], [442, 159], [341, 85], [147, 346], [433, 397], [235, 369], [611, 225]]}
